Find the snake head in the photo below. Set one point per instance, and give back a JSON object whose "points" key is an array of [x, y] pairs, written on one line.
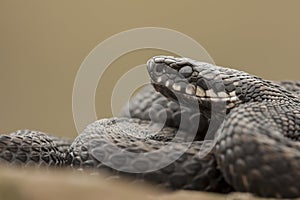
{"points": [[185, 79], [190, 80]]}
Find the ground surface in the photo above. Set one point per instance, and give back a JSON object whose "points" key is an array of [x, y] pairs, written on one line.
{"points": [[61, 184]]}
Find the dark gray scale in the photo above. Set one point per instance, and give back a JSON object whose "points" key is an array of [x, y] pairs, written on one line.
{"points": [[203, 83], [27, 148], [96, 146], [270, 161], [293, 86]]}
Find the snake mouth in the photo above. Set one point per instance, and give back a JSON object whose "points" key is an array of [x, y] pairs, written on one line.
{"points": [[188, 80], [177, 96]]}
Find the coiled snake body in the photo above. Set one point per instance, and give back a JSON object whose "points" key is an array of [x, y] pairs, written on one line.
{"points": [[254, 146]]}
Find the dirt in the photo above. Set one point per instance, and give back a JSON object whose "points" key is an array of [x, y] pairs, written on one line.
{"points": [[37, 184]]}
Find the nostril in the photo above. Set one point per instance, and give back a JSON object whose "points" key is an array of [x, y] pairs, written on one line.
{"points": [[159, 68]]}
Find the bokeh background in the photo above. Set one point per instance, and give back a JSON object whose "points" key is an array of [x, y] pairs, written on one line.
{"points": [[43, 43]]}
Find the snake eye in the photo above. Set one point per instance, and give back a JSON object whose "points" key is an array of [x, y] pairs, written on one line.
{"points": [[186, 71]]}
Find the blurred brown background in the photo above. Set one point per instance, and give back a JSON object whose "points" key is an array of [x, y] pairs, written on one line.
{"points": [[43, 43]]}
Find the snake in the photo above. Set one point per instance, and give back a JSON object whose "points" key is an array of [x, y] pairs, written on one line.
{"points": [[198, 126]]}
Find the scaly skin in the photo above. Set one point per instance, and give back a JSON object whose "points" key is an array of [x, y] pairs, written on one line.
{"points": [[93, 148], [256, 146], [102, 145], [151, 105], [293, 86], [32, 148], [148, 104]]}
